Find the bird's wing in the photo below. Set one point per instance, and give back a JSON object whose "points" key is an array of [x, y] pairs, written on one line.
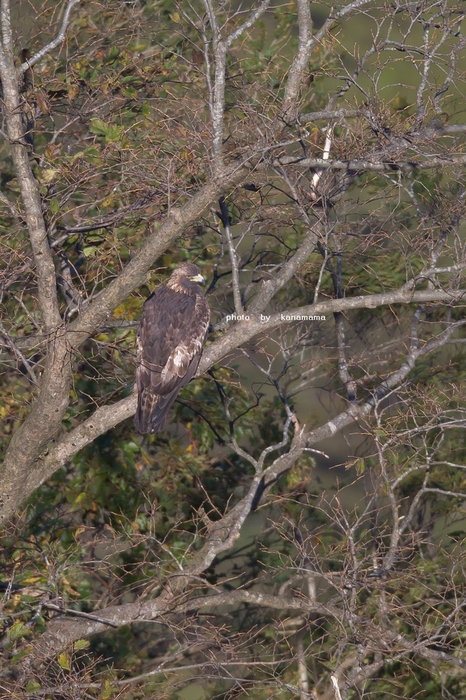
{"points": [[180, 362]]}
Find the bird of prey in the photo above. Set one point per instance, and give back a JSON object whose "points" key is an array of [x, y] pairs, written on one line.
{"points": [[172, 332]]}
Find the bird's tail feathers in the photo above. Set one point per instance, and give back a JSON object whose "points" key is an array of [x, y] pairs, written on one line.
{"points": [[152, 410]]}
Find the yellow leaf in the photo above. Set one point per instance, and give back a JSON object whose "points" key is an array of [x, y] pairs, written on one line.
{"points": [[72, 91], [107, 691], [64, 661], [48, 175]]}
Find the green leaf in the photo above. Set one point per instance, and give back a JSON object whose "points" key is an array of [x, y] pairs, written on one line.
{"points": [[113, 133], [16, 630], [32, 686], [98, 127], [81, 644], [90, 251], [20, 655], [54, 205], [112, 54], [91, 153], [360, 466]]}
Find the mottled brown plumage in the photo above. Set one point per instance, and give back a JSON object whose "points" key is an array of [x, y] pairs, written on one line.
{"points": [[172, 331]]}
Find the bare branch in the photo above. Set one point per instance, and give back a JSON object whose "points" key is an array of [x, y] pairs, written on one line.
{"points": [[55, 42], [234, 258], [375, 166]]}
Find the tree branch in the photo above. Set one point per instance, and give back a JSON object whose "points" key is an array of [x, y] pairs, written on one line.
{"points": [[297, 73], [55, 42], [376, 166], [52, 400]]}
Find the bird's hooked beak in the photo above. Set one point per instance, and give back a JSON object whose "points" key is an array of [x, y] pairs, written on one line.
{"points": [[198, 278]]}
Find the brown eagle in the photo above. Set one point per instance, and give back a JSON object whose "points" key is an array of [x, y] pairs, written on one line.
{"points": [[172, 331]]}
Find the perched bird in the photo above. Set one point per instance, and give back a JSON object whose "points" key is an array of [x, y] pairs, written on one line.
{"points": [[172, 332]]}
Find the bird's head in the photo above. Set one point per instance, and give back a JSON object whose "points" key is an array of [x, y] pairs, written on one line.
{"points": [[186, 278]]}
